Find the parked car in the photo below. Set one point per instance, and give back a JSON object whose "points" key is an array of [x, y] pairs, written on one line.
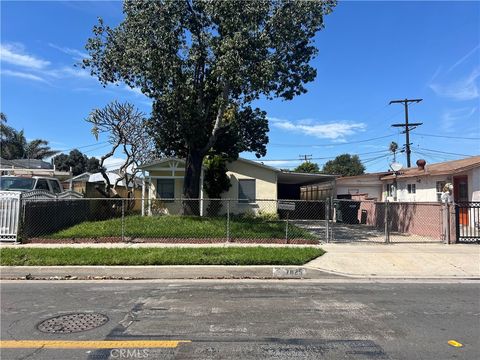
{"points": [[20, 183]]}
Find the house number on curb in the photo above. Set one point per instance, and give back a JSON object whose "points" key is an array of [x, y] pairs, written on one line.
{"points": [[289, 272]]}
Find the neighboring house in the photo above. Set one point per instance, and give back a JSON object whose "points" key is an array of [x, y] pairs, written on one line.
{"points": [[366, 187], [25, 164], [252, 184], [84, 183], [31, 167], [425, 182]]}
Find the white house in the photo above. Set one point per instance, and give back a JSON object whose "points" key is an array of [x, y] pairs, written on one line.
{"points": [[253, 184], [425, 182]]}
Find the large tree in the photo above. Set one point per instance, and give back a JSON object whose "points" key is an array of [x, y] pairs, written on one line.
{"points": [[126, 129], [344, 165], [307, 167], [77, 161], [203, 63], [14, 145]]}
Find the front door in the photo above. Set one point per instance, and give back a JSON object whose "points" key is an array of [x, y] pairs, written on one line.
{"points": [[460, 195]]}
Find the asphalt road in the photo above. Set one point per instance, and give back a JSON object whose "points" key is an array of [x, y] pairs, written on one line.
{"points": [[248, 319]]}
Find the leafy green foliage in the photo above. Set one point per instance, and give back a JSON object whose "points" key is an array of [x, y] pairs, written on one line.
{"points": [[14, 145], [78, 161], [216, 181], [307, 167], [203, 63], [344, 165]]}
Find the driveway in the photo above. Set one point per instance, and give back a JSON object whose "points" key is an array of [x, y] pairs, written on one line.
{"points": [[401, 260]]}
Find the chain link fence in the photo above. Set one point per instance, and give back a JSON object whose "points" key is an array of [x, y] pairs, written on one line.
{"points": [[172, 221], [234, 220], [391, 222]]}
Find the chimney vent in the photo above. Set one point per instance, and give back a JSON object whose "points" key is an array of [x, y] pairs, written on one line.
{"points": [[421, 164]]}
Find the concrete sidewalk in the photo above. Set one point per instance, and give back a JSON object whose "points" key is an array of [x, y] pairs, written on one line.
{"points": [[370, 261], [400, 260]]}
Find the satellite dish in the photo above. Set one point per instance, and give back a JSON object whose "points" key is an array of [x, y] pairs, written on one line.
{"points": [[396, 166]]}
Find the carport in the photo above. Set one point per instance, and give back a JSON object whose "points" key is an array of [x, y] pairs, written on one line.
{"points": [[294, 185]]}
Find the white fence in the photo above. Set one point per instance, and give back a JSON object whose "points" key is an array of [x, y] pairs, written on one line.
{"points": [[10, 208], [9, 215]]}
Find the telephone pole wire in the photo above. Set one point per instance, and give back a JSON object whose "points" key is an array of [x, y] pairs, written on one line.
{"points": [[406, 125], [305, 157]]}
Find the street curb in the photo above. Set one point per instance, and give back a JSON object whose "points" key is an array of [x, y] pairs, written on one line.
{"points": [[407, 277], [195, 272], [161, 272]]}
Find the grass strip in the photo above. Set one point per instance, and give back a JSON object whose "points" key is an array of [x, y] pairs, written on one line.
{"points": [[158, 256], [182, 227]]}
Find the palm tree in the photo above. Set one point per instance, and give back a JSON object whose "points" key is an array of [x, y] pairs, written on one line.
{"points": [[38, 149], [393, 148], [14, 145]]}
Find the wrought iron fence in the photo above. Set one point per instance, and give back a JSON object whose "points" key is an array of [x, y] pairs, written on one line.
{"points": [[467, 220]]}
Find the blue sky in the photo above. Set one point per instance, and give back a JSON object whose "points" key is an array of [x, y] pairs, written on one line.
{"points": [[369, 53]]}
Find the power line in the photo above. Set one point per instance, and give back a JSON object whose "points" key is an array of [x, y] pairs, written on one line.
{"points": [[85, 146], [406, 125], [305, 157], [335, 144], [444, 152], [448, 137], [386, 152]]}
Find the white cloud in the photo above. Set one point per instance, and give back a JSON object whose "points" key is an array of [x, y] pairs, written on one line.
{"points": [[335, 130], [280, 163], [76, 54], [14, 54], [23, 75], [67, 71], [466, 88], [464, 58], [135, 90], [455, 116]]}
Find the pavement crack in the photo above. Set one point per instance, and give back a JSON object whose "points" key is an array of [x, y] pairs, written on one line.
{"points": [[32, 353]]}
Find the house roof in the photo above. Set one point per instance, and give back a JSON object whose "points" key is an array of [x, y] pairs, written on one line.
{"points": [[258, 163], [301, 178], [25, 164], [376, 175], [442, 168], [152, 164]]}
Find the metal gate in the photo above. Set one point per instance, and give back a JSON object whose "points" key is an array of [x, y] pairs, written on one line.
{"points": [[9, 215], [467, 219]]}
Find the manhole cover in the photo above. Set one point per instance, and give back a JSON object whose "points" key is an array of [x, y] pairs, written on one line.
{"points": [[72, 323]]}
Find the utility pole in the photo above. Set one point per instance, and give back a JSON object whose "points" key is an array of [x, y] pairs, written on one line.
{"points": [[305, 157], [406, 125]]}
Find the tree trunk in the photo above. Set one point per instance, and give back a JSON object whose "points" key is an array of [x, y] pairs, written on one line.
{"points": [[191, 184]]}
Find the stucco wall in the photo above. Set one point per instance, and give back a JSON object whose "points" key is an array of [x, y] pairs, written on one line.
{"points": [[265, 187], [372, 191], [426, 187], [414, 218]]}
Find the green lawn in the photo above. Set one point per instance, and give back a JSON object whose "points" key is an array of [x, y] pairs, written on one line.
{"points": [[183, 227], [158, 256]]}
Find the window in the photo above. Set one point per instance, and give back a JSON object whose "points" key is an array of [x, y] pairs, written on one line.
{"points": [[42, 185], [246, 190], [389, 189], [440, 186], [412, 188], [166, 188], [55, 187]]}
